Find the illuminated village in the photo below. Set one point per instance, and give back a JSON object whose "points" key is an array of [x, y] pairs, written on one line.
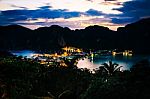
{"points": [[71, 52]]}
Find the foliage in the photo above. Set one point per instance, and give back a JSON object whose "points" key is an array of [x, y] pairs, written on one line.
{"points": [[123, 85], [25, 79], [110, 67]]}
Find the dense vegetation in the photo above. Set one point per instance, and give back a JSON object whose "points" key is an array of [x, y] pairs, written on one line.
{"points": [[135, 36], [26, 79]]}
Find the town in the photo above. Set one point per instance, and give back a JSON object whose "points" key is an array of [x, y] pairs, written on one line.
{"points": [[72, 52]]}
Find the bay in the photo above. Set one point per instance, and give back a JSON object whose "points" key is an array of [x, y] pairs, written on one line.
{"points": [[92, 63]]}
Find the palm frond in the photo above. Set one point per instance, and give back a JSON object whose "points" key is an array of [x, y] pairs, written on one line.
{"points": [[118, 68], [111, 67]]}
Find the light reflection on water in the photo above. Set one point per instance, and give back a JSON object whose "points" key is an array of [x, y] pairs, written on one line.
{"points": [[24, 53], [126, 61], [87, 63]]}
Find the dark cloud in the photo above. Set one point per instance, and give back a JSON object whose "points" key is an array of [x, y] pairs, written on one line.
{"points": [[122, 20], [18, 7], [11, 16], [47, 13], [133, 11], [45, 7], [93, 12]]}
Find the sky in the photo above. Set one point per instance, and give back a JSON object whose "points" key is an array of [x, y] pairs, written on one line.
{"points": [[75, 14]]}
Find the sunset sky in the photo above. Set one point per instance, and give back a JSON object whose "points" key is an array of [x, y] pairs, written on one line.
{"points": [[75, 14]]}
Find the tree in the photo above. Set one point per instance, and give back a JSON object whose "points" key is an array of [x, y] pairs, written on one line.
{"points": [[110, 67], [71, 63]]}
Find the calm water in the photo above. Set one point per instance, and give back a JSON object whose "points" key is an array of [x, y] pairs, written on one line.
{"points": [[24, 53], [125, 61]]}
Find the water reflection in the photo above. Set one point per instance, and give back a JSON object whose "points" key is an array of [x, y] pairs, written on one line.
{"points": [[125, 61], [24, 53], [95, 62], [87, 63]]}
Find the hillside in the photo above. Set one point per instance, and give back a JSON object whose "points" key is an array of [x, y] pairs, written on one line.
{"points": [[133, 36]]}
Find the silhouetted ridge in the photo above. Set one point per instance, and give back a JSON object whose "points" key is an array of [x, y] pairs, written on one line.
{"points": [[133, 36], [137, 35], [14, 27]]}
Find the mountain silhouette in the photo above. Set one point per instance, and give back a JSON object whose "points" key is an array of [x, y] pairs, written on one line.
{"points": [[134, 36]]}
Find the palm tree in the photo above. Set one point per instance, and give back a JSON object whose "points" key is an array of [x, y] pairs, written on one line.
{"points": [[110, 67]]}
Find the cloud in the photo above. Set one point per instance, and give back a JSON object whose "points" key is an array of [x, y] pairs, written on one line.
{"points": [[133, 11], [15, 6], [73, 23], [85, 5], [10, 16], [70, 13], [93, 12], [124, 20], [29, 4], [70, 5]]}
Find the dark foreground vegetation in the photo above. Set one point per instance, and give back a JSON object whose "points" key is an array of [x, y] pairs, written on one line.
{"points": [[26, 79]]}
